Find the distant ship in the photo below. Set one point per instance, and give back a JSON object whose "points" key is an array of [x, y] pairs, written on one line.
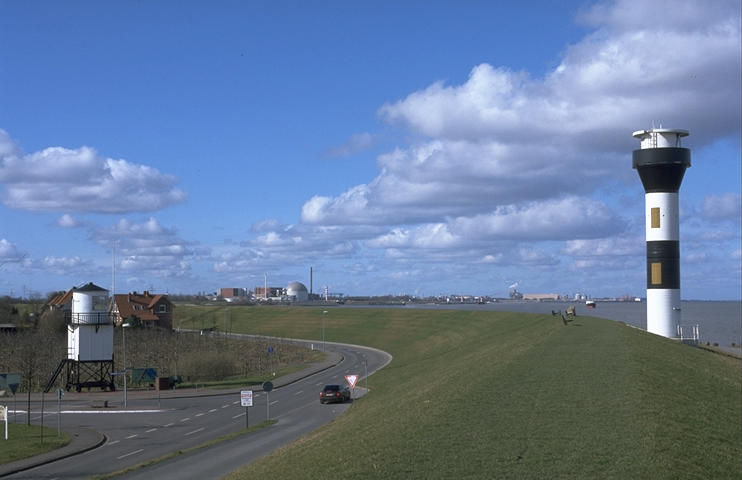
{"points": [[590, 303]]}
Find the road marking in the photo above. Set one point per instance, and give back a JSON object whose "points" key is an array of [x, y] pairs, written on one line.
{"points": [[195, 431], [131, 453], [299, 392], [113, 442], [212, 410], [168, 425], [109, 412], [274, 402], [151, 430], [238, 416], [132, 436], [185, 419], [226, 406], [199, 414]]}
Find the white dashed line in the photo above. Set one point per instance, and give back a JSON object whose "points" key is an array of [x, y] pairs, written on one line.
{"points": [[132, 436], [212, 410], [195, 431], [185, 419], [151, 430], [131, 453], [238, 416], [299, 392], [199, 414], [113, 442], [169, 425]]}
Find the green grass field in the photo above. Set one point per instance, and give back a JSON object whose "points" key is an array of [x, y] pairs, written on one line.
{"points": [[25, 441], [500, 395]]}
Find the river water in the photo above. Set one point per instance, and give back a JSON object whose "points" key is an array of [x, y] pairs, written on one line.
{"points": [[718, 322]]}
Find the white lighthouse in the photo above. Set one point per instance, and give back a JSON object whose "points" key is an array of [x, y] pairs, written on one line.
{"points": [[661, 163], [89, 359]]}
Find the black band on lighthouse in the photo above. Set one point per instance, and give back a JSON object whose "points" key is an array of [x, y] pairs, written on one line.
{"points": [[663, 264], [661, 169]]}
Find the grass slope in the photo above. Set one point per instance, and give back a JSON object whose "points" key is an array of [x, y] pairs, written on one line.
{"points": [[501, 395]]}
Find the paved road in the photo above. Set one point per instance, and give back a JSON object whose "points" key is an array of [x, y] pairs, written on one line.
{"points": [[150, 428]]}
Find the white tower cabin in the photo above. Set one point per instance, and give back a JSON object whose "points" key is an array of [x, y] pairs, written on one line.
{"points": [[661, 163], [89, 359], [90, 332]]}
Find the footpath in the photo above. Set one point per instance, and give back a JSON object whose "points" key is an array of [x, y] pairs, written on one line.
{"points": [[84, 439]]}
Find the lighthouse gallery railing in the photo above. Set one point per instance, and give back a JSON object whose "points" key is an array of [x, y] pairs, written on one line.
{"points": [[88, 318]]}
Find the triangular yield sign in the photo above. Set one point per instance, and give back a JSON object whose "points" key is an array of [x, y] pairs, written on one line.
{"points": [[351, 379]]}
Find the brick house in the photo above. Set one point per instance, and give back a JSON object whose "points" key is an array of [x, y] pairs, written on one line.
{"points": [[62, 302], [151, 310]]}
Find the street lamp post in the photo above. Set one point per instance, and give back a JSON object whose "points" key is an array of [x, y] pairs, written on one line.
{"points": [[324, 314]]}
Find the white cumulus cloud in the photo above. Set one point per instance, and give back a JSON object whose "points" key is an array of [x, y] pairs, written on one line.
{"points": [[504, 136], [67, 221], [9, 252], [149, 248], [81, 180]]}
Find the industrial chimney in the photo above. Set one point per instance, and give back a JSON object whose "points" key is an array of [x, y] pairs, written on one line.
{"points": [[661, 164]]}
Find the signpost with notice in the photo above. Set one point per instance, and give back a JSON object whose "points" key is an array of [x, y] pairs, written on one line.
{"points": [[267, 387], [10, 381], [246, 401]]}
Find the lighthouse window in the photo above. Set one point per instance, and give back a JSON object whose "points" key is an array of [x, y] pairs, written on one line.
{"points": [[655, 217], [656, 273], [100, 303]]}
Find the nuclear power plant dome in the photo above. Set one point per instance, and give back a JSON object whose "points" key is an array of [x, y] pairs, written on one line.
{"points": [[297, 292]]}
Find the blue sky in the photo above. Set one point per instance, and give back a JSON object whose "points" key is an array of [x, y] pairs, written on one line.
{"points": [[395, 147]]}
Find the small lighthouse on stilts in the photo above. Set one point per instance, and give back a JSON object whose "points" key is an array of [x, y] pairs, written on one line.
{"points": [[89, 359], [661, 163]]}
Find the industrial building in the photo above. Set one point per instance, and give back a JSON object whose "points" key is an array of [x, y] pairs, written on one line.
{"points": [[297, 292]]}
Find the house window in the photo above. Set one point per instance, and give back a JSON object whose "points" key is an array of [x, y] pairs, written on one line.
{"points": [[163, 308]]}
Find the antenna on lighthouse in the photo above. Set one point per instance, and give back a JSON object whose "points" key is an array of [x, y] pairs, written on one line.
{"points": [[113, 271]]}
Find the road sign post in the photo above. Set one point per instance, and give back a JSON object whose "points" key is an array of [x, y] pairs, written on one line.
{"points": [[59, 412], [270, 357], [246, 400], [4, 416], [267, 387], [351, 379]]}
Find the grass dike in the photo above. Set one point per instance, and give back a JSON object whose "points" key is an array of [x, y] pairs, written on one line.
{"points": [[474, 394]]}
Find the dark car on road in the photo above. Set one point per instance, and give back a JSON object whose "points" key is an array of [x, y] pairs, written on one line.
{"points": [[334, 393]]}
